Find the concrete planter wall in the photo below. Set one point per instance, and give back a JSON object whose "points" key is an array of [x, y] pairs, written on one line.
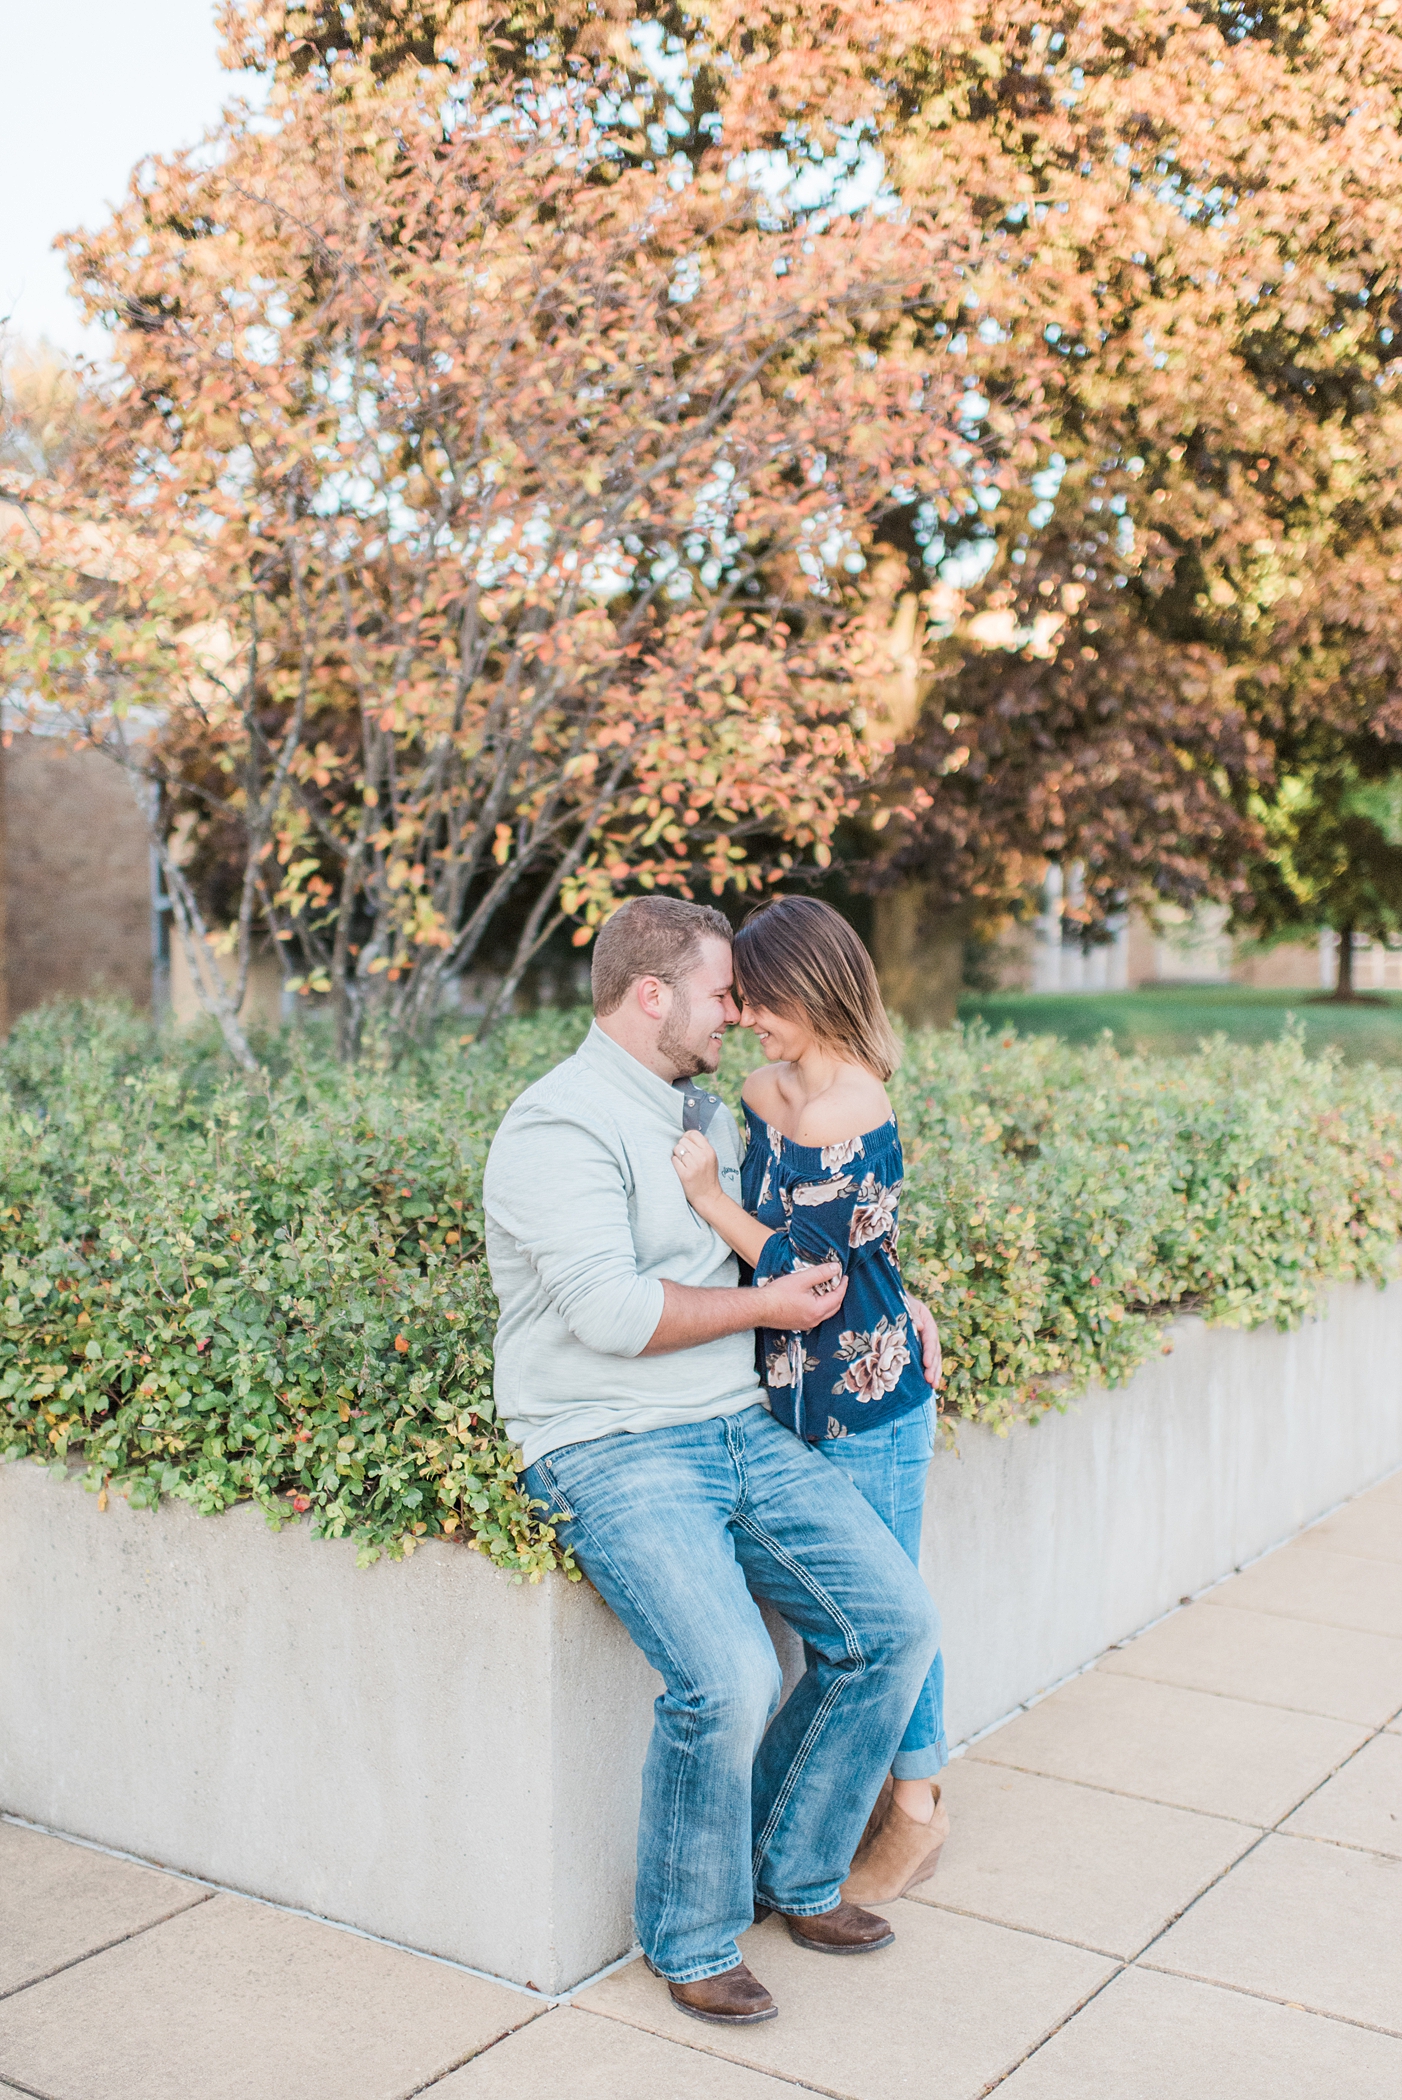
{"points": [[435, 1754], [1044, 1549]]}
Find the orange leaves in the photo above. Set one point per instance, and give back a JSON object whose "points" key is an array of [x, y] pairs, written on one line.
{"points": [[533, 508]]}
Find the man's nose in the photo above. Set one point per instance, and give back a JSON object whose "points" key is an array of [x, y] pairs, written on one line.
{"points": [[732, 1011]]}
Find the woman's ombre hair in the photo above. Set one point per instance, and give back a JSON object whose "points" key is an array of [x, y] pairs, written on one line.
{"points": [[800, 959]]}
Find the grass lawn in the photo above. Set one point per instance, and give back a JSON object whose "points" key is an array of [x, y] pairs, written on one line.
{"points": [[1176, 1018]]}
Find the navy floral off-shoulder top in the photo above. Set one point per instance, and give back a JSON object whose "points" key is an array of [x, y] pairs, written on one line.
{"points": [[842, 1202]]}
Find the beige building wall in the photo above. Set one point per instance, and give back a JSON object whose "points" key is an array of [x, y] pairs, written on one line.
{"points": [[1186, 949], [1293, 966], [76, 877], [262, 1000]]}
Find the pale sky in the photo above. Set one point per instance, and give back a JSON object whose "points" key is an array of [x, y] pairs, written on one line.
{"points": [[87, 89]]}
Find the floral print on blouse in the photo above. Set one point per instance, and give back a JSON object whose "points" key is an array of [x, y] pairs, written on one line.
{"points": [[862, 1366]]}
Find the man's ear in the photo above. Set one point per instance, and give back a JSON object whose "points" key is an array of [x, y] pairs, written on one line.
{"points": [[652, 997]]}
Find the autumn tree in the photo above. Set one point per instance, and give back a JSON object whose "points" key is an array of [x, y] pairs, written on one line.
{"points": [[1193, 213], [1198, 584], [479, 509], [1114, 653], [44, 410], [1332, 858]]}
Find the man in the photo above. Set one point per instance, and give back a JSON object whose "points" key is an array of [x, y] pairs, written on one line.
{"points": [[625, 1369]]}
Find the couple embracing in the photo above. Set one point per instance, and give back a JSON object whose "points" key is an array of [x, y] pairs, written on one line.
{"points": [[688, 1482]]}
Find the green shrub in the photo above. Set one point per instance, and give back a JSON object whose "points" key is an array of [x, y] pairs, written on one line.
{"points": [[276, 1292], [1061, 1203]]}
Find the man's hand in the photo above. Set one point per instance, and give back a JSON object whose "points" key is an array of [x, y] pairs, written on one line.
{"points": [[922, 1322], [804, 1298], [794, 1303]]}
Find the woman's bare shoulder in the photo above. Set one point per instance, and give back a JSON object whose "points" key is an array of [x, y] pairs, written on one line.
{"points": [[761, 1091], [856, 1104]]}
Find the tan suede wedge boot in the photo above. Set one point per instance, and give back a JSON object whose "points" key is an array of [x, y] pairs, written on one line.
{"points": [[878, 1811], [898, 1855]]}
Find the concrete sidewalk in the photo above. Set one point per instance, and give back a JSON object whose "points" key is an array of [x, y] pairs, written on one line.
{"points": [[1177, 1878]]}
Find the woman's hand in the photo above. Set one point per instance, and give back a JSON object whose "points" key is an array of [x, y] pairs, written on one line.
{"points": [[922, 1321], [698, 1170]]}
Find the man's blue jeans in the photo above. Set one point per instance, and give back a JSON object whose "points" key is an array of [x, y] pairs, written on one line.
{"points": [[889, 1467], [680, 1530]]}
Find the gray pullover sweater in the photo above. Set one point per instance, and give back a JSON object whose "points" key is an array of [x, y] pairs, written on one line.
{"points": [[585, 1216]]}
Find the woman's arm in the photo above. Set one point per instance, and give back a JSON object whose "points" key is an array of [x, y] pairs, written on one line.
{"points": [[818, 1231], [699, 1173], [694, 1158]]}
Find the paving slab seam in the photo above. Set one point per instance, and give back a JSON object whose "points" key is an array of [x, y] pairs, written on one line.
{"points": [[676, 2041], [1061, 1939], [1263, 1611], [698, 2048], [1266, 1829], [89, 1954], [223, 1888], [1270, 1830], [1058, 1939], [1312, 1837], [1138, 1960], [473, 2056], [1242, 1990], [453, 2069], [1210, 1982], [1270, 1706], [1154, 1968], [1056, 2029], [1089, 1786], [1274, 1706], [1193, 1597], [32, 2092]]}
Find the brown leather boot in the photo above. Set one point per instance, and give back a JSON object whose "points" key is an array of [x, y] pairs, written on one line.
{"points": [[846, 1930], [735, 1998], [898, 1855]]}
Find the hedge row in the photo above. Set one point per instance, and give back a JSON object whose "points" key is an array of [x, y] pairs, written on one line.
{"points": [[223, 1291]]}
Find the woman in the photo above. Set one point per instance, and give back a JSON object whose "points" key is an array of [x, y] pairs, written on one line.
{"points": [[821, 1181]]}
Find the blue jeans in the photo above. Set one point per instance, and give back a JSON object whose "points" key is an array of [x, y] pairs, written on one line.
{"points": [[889, 1467], [680, 1530]]}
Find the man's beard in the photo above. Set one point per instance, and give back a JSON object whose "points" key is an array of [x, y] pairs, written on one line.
{"points": [[675, 1044]]}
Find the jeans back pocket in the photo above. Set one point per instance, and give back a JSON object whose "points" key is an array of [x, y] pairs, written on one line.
{"points": [[541, 1485]]}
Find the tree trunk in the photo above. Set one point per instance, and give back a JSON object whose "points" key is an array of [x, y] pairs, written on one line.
{"points": [[1343, 989], [919, 956]]}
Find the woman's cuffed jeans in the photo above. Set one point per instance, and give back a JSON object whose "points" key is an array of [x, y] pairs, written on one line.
{"points": [[680, 1530], [889, 1467]]}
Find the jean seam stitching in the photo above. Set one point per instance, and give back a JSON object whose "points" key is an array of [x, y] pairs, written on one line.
{"points": [[683, 1679], [555, 1504], [801, 1757], [733, 1446], [686, 1684], [830, 1697]]}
